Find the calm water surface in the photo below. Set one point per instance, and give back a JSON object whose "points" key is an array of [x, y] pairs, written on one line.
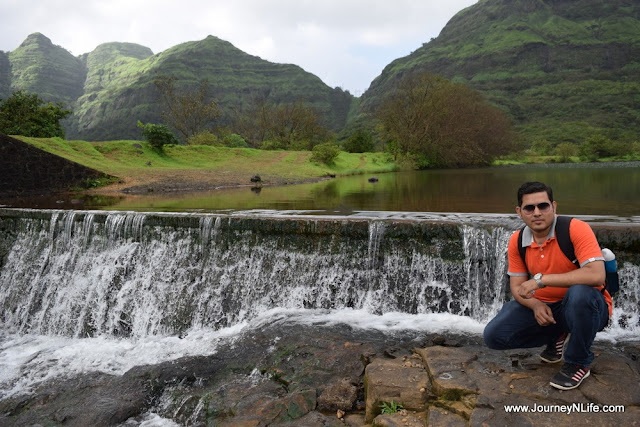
{"points": [[582, 189]]}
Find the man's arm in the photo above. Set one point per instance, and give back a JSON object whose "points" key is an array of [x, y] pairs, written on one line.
{"points": [[592, 274], [541, 311]]}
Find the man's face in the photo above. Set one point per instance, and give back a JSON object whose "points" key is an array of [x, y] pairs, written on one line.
{"points": [[537, 211]]}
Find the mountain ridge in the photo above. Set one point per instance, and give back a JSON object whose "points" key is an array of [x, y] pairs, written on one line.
{"points": [[583, 56], [112, 87], [562, 69]]}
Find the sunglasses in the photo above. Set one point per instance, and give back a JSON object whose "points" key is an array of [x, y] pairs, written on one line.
{"points": [[542, 207]]}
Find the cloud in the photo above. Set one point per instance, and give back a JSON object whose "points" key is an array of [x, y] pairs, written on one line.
{"points": [[345, 42]]}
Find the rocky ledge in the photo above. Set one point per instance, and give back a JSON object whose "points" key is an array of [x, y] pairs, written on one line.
{"points": [[286, 374]]}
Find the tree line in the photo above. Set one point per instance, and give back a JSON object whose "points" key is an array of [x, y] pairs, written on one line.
{"points": [[425, 119]]}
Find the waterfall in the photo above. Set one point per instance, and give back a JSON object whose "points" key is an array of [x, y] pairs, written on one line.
{"points": [[82, 274]]}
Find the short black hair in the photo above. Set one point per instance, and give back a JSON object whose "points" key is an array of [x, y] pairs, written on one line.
{"points": [[534, 187]]}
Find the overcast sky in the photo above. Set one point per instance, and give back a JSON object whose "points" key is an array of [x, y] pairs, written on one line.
{"points": [[346, 43]]}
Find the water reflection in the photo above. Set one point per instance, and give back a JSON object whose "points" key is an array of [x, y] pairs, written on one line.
{"points": [[584, 189], [76, 201]]}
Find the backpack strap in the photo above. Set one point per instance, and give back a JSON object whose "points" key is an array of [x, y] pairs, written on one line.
{"points": [[562, 236], [522, 249]]}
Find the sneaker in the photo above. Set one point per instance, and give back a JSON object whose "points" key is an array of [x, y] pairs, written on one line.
{"points": [[570, 377], [553, 353]]}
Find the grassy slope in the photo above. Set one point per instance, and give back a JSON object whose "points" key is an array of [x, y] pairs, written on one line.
{"points": [[211, 166]]}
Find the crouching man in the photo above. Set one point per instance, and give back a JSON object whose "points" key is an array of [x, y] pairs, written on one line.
{"points": [[557, 303]]}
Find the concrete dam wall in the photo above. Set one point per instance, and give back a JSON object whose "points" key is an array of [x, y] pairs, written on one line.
{"points": [[83, 274]]}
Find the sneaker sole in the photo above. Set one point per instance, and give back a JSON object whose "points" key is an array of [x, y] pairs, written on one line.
{"points": [[561, 387], [549, 360]]}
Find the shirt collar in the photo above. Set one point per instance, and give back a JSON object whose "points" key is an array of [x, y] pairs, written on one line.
{"points": [[527, 233]]}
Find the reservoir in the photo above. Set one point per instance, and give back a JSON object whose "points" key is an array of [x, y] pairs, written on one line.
{"points": [[611, 189]]}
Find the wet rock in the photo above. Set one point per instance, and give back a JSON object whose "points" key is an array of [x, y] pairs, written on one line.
{"points": [[439, 340], [400, 419], [354, 420], [307, 369], [316, 419], [443, 417], [111, 401], [340, 396]]}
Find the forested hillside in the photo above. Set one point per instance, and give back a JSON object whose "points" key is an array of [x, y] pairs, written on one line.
{"points": [[564, 70], [112, 87]]}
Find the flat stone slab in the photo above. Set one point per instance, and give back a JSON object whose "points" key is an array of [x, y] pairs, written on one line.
{"points": [[395, 380], [512, 387]]}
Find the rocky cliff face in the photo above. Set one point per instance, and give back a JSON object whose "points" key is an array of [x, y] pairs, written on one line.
{"points": [[566, 64]]}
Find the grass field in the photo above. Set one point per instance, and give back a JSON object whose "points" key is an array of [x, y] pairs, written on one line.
{"points": [[137, 164]]}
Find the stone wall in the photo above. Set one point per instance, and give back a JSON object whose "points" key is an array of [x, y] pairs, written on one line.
{"points": [[26, 170]]}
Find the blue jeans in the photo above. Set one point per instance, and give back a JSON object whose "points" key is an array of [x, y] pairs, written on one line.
{"points": [[582, 312]]}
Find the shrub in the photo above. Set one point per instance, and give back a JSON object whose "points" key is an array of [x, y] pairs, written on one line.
{"points": [[204, 138], [271, 144], [598, 146], [157, 135], [300, 145], [234, 140], [565, 151], [361, 141], [541, 147], [325, 153]]}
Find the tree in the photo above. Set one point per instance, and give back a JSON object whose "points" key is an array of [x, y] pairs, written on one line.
{"points": [[361, 141], [444, 124], [28, 115], [566, 150], [157, 135], [281, 126], [595, 147], [189, 112], [542, 147]]}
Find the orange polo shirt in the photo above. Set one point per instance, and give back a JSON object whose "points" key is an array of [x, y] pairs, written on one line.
{"points": [[548, 258]]}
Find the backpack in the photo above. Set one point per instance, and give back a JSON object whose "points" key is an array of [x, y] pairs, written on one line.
{"points": [[566, 245]]}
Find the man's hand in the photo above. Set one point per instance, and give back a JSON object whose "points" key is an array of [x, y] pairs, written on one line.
{"points": [[543, 314], [527, 289], [521, 289]]}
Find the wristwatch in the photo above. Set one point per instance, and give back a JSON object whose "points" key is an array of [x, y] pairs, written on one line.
{"points": [[538, 279]]}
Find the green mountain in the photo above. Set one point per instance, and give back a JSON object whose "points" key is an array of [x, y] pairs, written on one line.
{"points": [[5, 76], [38, 66], [111, 88], [563, 69]]}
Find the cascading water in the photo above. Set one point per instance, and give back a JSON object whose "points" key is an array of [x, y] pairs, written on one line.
{"points": [[82, 274], [94, 291]]}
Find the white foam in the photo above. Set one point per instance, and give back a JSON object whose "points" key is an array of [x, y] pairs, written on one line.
{"points": [[28, 360]]}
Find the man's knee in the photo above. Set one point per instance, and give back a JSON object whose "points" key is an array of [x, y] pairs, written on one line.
{"points": [[492, 339], [582, 297]]}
